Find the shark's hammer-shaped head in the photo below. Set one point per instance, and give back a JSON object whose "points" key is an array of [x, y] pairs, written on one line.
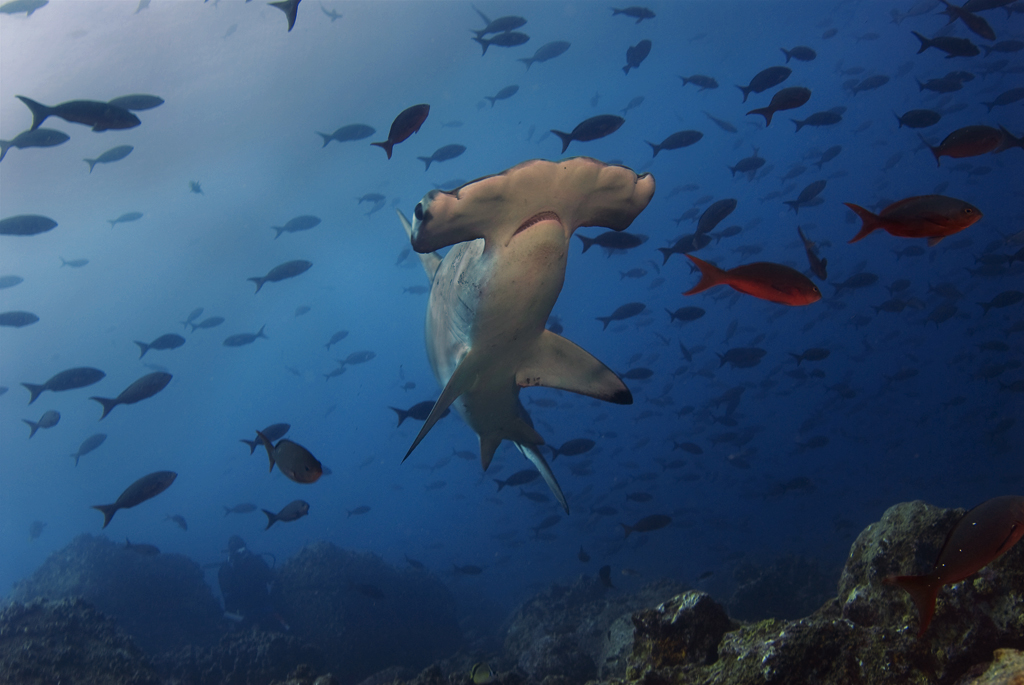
{"points": [[575, 192]]}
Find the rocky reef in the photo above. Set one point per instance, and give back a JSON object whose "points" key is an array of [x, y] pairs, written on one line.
{"points": [[161, 601], [357, 620], [363, 614], [69, 642]]}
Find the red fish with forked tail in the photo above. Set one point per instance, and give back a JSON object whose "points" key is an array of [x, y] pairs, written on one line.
{"points": [[926, 216], [764, 280], [984, 534]]}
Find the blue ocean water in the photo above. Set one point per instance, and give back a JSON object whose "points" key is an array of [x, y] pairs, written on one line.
{"points": [[910, 408]]}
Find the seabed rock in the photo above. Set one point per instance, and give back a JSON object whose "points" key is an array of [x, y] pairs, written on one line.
{"points": [[162, 601], [866, 636], [364, 615], [68, 642]]}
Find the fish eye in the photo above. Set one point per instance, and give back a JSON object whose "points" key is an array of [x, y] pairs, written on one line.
{"points": [[418, 212], [968, 210]]}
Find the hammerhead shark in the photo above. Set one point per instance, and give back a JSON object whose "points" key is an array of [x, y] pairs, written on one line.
{"points": [[492, 293]]}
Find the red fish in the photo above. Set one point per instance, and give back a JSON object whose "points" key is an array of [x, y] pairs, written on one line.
{"points": [[925, 216], [984, 534], [971, 141], [764, 280]]}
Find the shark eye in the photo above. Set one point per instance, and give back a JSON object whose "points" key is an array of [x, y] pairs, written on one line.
{"points": [[418, 213]]}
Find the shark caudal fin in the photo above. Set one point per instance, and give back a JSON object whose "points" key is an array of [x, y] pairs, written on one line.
{"points": [[430, 260], [558, 363], [537, 459]]}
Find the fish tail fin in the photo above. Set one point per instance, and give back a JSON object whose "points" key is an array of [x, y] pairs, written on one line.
{"points": [[143, 348], [795, 204], [75, 457], [626, 529], [666, 252], [39, 111], [261, 334], [900, 121], [327, 138], [525, 60], [625, 69], [935, 150], [428, 160], [279, 230], [710, 276], [985, 306], [259, 281], [108, 512], [33, 426], [193, 327], [870, 221], [484, 44], [655, 148], [107, 403], [269, 447], [227, 510], [766, 112], [745, 90], [798, 357], [925, 43], [799, 125], [605, 320], [387, 145], [671, 315], [923, 591], [501, 484], [251, 443], [271, 518], [402, 414], [566, 139], [486, 97], [587, 242], [91, 163], [786, 53], [5, 145], [35, 390]]}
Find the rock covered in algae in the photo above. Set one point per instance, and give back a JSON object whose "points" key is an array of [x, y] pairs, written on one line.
{"points": [[162, 601], [866, 636], [69, 642], [364, 615]]}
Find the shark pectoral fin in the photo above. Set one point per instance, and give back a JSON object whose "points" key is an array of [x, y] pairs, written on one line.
{"points": [[429, 260], [462, 380], [537, 459], [558, 363], [488, 446]]}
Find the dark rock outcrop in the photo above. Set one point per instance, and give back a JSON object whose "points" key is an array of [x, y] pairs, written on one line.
{"points": [[68, 642], [868, 636], [251, 656], [363, 614], [162, 601], [577, 632]]}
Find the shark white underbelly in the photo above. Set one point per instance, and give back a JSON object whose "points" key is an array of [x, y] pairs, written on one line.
{"points": [[493, 292]]}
